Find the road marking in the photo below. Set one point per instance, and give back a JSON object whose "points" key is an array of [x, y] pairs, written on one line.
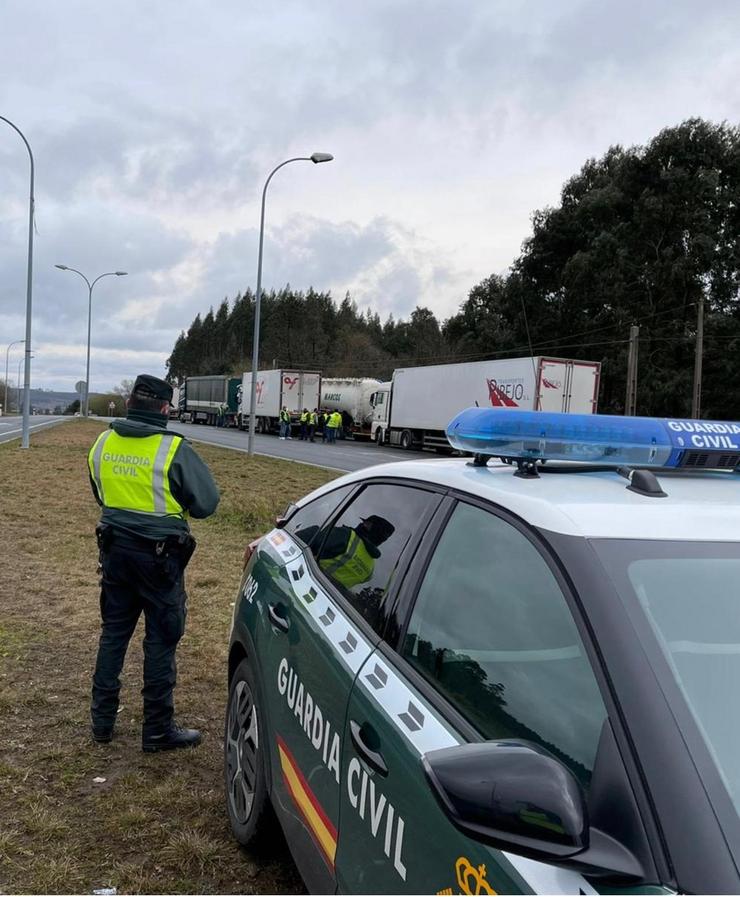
{"points": [[46, 423], [237, 448]]}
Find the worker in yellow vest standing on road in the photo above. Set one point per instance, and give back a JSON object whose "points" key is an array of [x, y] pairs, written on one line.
{"points": [[147, 482], [304, 419], [333, 424]]}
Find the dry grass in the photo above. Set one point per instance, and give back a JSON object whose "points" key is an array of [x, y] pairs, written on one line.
{"points": [[158, 823]]}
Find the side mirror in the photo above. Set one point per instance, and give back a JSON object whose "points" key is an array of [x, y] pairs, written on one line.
{"points": [[513, 795], [516, 796]]}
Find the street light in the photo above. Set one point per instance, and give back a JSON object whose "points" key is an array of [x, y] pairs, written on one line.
{"points": [[315, 158], [89, 319], [7, 353], [29, 278]]}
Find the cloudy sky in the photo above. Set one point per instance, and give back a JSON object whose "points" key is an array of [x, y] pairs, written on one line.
{"points": [[154, 125]]}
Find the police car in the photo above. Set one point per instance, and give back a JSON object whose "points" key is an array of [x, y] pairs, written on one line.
{"points": [[516, 672]]}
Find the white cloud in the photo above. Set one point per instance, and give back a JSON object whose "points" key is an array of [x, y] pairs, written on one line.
{"points": [[154, 126]]}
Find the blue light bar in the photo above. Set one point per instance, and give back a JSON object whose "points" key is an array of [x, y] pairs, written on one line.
{"points": [[596, 438]]}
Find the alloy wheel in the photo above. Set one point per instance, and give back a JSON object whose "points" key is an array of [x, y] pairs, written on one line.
{"points": [[242, 745]]}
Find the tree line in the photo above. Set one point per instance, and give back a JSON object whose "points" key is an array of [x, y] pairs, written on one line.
{"points": [[644, 235]]}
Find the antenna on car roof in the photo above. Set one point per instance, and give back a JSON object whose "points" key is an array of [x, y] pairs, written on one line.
{"points": [[643, 482]]}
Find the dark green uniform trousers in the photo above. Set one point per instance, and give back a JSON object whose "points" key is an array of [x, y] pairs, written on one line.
{"points": [[136, 580]]}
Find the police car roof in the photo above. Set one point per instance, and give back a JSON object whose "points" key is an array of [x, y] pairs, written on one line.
{"points": [[703, 506]]}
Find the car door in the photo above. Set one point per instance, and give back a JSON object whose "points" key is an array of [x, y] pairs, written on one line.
{"points": [[322, 625], [489, 649], [304, 685]]}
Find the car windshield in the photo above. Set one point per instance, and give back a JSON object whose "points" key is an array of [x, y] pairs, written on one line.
{"points": [[690, 594]]}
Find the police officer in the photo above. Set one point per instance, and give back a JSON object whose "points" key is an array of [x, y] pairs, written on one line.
{"points": [[147, 481]]}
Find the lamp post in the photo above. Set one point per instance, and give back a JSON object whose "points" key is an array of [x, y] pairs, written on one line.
{"points": [[315, 158], [7, 353], [29, 278], [18, 381], [89, 319]]}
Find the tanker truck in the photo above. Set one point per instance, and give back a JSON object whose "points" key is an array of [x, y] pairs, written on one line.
{"points": [[352, 396]]}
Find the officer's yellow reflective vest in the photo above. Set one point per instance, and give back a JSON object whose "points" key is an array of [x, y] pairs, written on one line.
{"points": [[353, 566], [131, 473], [305, 417], [335, 420], [314, 418], [285, 416]]}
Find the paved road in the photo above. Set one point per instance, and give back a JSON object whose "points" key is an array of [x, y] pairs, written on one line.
{"points": [[343, 455], [10, 427]]}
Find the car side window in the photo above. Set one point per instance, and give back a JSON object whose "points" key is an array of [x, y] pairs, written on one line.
{"points": [[307, 521], [492, 631], [362, 549]]}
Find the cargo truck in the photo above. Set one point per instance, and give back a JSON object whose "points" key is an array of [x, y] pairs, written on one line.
{"points": [[295, 390], [353, 397], [204, 396], [413, 409]]}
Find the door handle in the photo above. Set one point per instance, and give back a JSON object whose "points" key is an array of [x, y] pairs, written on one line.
{"points": [[277, 619], [374, 759]]}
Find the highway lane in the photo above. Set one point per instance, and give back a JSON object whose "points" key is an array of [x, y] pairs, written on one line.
{"points": [[344, 455], [11, 427]]}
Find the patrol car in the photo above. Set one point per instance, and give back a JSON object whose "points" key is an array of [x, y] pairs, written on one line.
{"points": [[516, 672]]}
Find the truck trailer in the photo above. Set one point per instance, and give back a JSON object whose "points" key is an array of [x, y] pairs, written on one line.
{"points": [[413, 409], [353, 397], [276, 388], [205, 396]]}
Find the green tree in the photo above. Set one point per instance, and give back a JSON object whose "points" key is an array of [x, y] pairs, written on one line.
{"points": [[640, 236]]}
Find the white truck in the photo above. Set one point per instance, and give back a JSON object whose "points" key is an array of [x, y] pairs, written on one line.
{"points": [[294, 389], [353, 397], [414, 408]]}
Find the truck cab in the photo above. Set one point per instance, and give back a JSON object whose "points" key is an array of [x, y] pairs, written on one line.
{"points": [[381, 404]]}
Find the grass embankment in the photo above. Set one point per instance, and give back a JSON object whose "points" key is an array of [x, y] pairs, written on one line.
{"points": [[157, 824]]}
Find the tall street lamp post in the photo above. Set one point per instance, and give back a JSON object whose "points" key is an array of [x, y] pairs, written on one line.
{"points": [[18, 388], [89, 319], [7, 353], [29, 278], [315, 158]]}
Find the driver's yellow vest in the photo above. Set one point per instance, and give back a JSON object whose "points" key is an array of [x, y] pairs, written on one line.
{"points": [[131, 473], [353, 566]]}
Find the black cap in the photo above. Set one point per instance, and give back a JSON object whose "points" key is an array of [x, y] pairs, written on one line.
{"points": [[151, 387], [379, 528]]}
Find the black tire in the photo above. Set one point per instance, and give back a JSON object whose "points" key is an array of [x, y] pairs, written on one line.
{"points": [[406, 439], [378, 436], [247, 802]]}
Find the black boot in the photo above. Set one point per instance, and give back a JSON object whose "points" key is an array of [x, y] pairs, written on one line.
{"points": [[101, 735], [175, 737]]}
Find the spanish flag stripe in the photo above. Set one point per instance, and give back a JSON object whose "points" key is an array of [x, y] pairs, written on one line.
{"points": [[307, 788], [312, 811]]}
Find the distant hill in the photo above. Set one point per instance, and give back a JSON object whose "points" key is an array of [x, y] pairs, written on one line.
{"points": [[49, 399]]}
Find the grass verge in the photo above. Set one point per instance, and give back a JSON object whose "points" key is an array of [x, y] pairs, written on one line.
{"points": [[157, 824]]}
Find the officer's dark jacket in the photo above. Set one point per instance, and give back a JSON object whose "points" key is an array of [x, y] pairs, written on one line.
{"points": [[190, 480]]}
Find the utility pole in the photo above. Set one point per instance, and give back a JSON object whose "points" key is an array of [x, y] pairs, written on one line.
{"points": [[630, 403], [696, 396]]}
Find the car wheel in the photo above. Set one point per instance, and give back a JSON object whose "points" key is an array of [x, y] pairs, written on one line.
{"points": [[406, 439], [378, 436], [244, 765]]}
